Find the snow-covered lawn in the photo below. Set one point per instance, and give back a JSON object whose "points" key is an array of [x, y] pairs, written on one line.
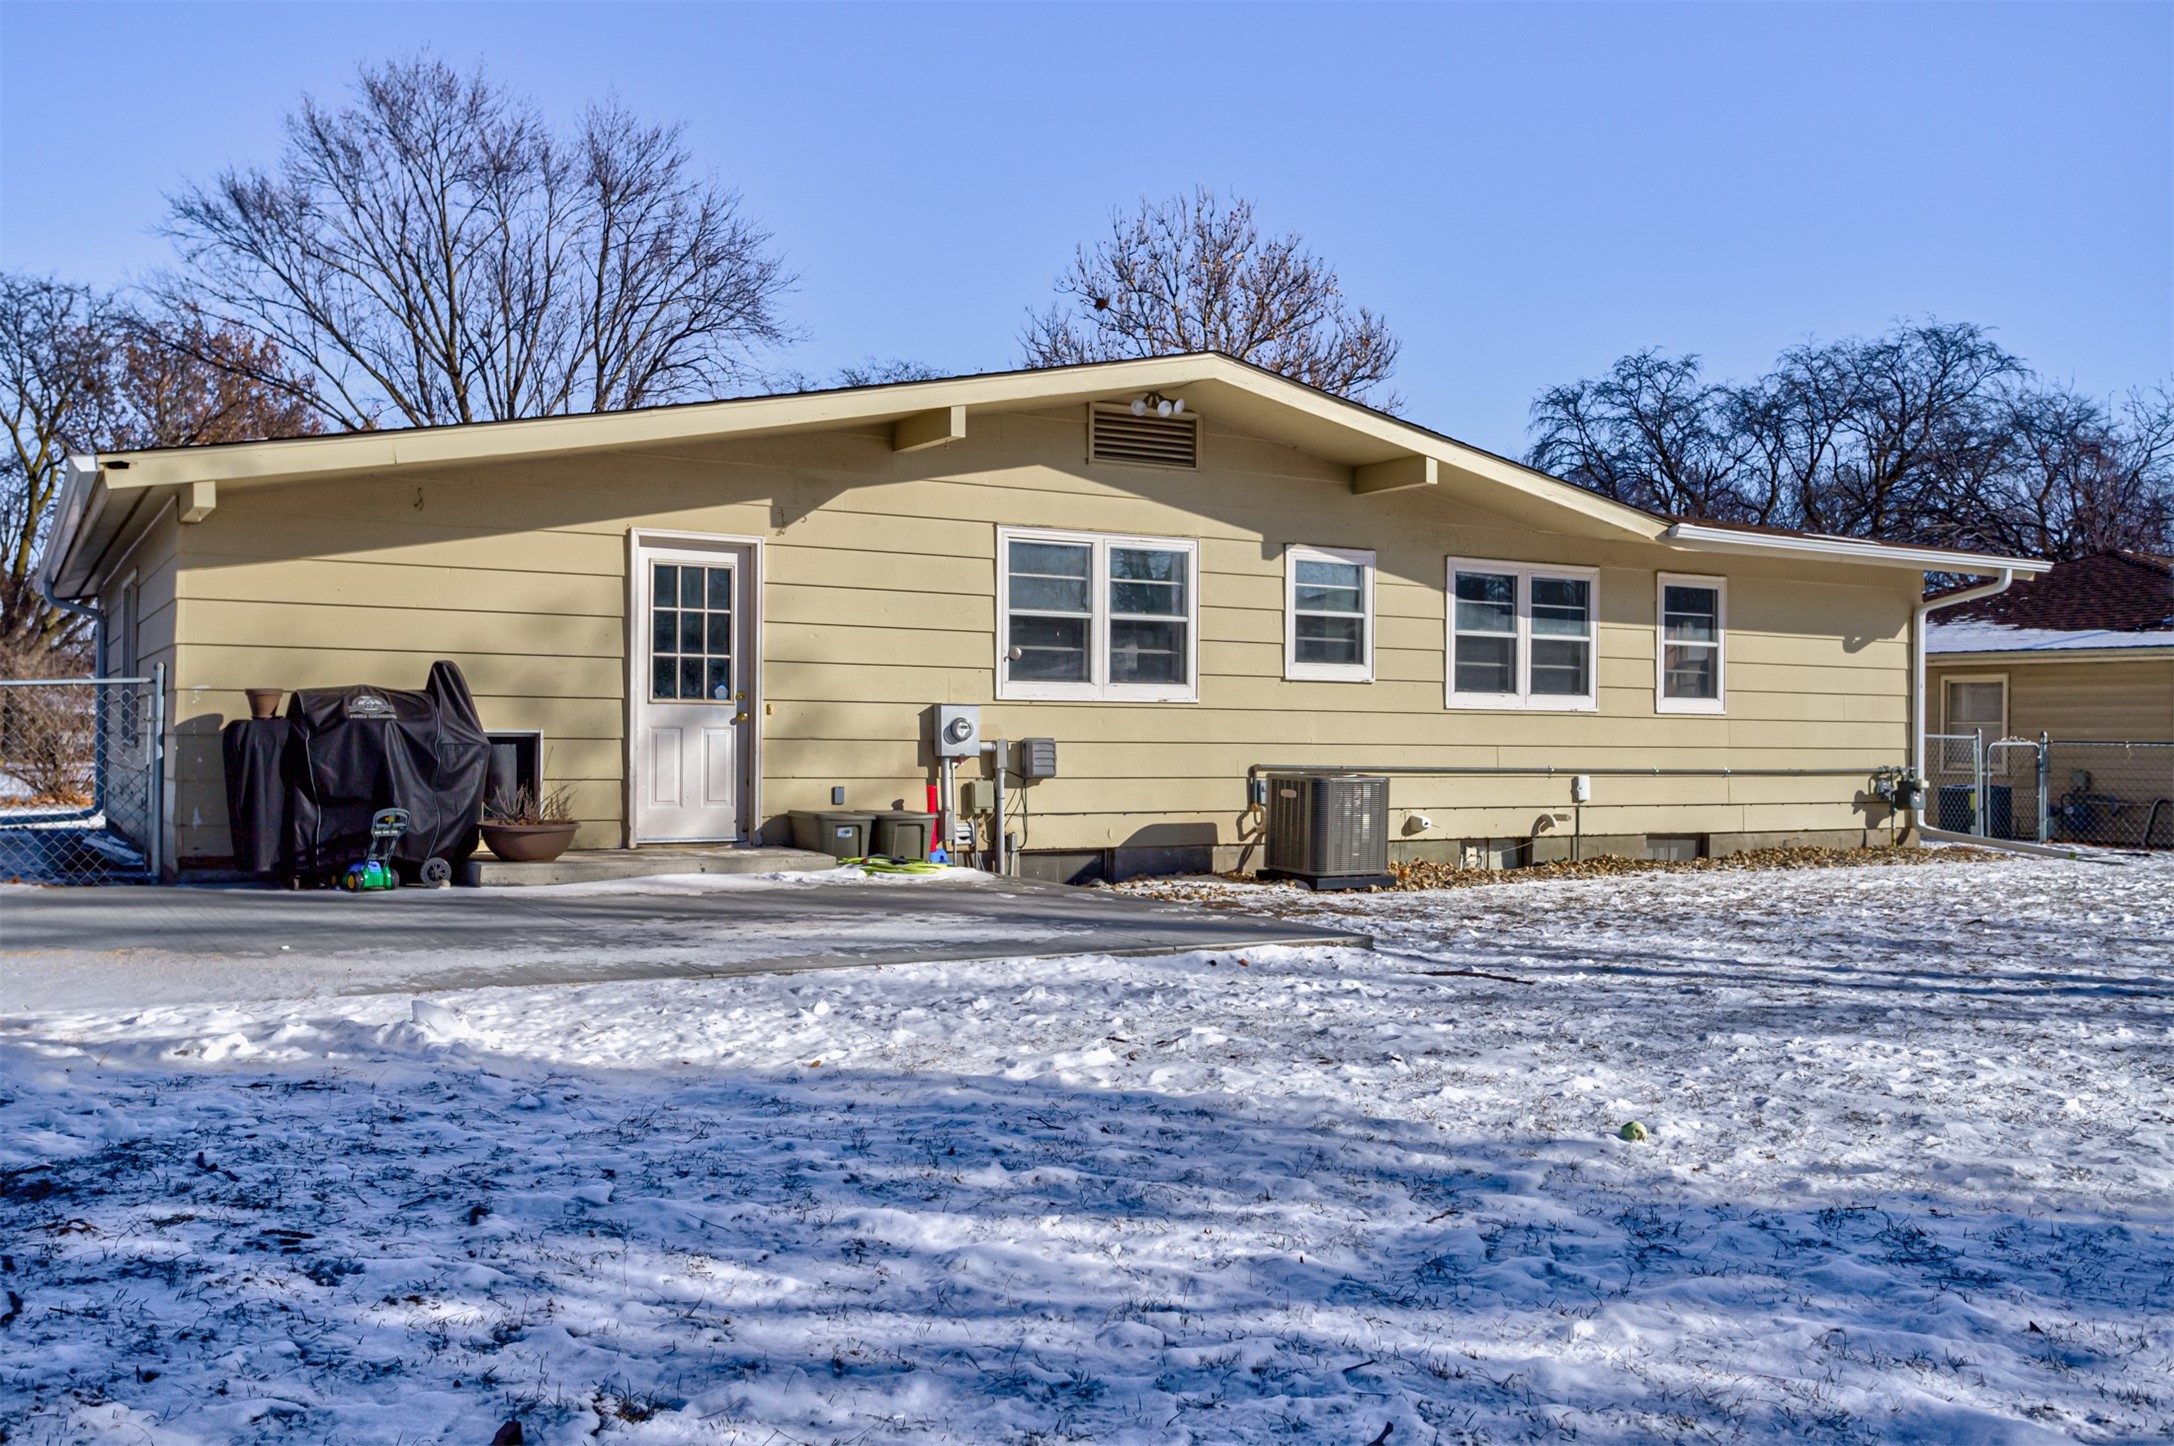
{"points": [[1908, 1179]]}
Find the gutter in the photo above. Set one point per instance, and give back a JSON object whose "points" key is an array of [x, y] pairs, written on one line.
{"points": [[1847, 549], [1918, 616], [82, 472]]}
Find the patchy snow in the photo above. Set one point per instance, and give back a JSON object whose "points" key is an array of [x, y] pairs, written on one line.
{"points": [[848, 875], [1908, 1179], [1982, 637]]}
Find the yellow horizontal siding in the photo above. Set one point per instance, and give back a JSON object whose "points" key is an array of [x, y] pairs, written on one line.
{"points": [[878, 599]]}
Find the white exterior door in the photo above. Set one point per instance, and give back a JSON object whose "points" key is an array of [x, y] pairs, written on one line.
{"points": [[692, 688]]}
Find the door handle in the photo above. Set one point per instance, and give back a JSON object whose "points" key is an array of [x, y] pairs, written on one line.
{"points": [[740, 717]]}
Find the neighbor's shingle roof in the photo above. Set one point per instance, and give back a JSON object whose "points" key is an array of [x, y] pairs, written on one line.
{"points": [[2113, 591]]}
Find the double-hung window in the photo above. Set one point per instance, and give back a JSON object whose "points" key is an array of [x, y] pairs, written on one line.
{"points": [[1522, 636], [1085, 615], [1690, 618], [1974, 704], [1328, 614]]}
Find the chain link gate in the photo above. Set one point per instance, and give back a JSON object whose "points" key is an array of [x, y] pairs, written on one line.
{"points": [[82, 779], [2053, 790]]}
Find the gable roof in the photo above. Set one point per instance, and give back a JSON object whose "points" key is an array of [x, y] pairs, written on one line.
{"points": [[2113, 591], [2111, 600], [111, 492]]}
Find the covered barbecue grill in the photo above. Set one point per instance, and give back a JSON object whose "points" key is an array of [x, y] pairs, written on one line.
{"points": [[301, 789]]}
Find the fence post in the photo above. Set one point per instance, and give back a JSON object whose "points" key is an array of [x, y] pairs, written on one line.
{"points": [[1977, 782], [155, 806], [2045, 824]]}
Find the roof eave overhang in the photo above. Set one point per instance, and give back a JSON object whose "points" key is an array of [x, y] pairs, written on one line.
{"points": [[1697, 537], [1385, 453], [2148, 653]]}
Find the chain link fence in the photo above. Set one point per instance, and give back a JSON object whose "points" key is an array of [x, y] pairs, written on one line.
{"points": [[2053, 790], [80, 779]]}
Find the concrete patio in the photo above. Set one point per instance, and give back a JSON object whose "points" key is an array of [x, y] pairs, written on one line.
{"points": [[79, 948]]}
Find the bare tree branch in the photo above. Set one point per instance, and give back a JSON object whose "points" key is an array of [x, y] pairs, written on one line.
{"points": [[1931, 433], [433, 253], [1195, 274]]}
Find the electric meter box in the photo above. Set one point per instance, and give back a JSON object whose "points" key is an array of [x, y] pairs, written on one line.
{"points": [[1037, 758], [958, 730]]}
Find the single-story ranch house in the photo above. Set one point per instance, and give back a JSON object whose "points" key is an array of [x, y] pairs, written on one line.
{"points": [[1176, 568]]}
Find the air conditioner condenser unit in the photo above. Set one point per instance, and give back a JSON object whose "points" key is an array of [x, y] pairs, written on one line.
{"points": [[1330, 831]]}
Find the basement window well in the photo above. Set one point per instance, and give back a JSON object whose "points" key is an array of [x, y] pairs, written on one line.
{"points": [[1095, 617]]}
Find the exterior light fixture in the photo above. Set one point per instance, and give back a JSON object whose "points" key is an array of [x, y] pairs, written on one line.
{"points": [[1161, 405]]}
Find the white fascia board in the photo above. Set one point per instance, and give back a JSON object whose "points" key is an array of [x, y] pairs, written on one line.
{"points": [[75, 490], [1698, 538], [2144, 654]]}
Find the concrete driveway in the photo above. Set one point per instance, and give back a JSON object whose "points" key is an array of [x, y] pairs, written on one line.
{"points": [[74, 948]]}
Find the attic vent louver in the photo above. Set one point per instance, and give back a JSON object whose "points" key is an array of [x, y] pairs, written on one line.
{"points": [[1114, 434]]}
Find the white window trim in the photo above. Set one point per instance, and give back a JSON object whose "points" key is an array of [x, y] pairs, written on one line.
{"points": [[1522, 701], [1098, 688], [1295, 671], [1662, 703], [1994, 762]]}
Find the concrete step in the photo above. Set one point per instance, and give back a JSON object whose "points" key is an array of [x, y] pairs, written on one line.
{"points": [[590, 865]]}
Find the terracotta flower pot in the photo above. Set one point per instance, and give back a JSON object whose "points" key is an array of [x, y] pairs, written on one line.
{"points": [[529, 843], [264, 702]]}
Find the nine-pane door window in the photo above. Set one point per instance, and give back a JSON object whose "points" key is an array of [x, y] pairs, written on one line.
{"points": [[690, 637]]}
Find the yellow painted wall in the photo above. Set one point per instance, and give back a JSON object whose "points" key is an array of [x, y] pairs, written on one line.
{"points": [[2104, 699], [879, 599]]}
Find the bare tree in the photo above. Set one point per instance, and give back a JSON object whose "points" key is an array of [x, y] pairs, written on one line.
{"points": [[1195, 274], [2079, 478], [1652, 432], [58, 345], [434, 253], [81, 371], [181, 382], [1931, 433], [877, 371]]}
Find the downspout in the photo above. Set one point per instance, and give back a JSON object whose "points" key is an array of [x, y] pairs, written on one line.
{"points": [[81, 610], [1918, 617]]}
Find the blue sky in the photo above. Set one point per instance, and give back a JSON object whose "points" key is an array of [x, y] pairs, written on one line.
{"points": [[1526, 191]]}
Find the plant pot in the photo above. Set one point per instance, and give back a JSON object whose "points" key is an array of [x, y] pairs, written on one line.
{"points": [[264, 702], [529, 843]]}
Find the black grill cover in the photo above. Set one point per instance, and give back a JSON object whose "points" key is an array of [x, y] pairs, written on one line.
{"points": [[256, 791], [355, 750]]}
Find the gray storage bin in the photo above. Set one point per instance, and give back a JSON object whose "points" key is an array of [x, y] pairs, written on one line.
{"points": [[839, 834], [904, 834]]}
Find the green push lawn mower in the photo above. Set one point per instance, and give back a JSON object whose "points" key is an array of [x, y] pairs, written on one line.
{"points": [[376, 869]]}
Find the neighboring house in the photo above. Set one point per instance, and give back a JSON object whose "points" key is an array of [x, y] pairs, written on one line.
{"points": [[2085, 651], [2082, 656], [718, 612]]}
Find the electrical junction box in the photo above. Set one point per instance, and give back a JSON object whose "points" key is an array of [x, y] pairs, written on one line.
{"points": [[1036, 758], [958, 730], [977, 795]]}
